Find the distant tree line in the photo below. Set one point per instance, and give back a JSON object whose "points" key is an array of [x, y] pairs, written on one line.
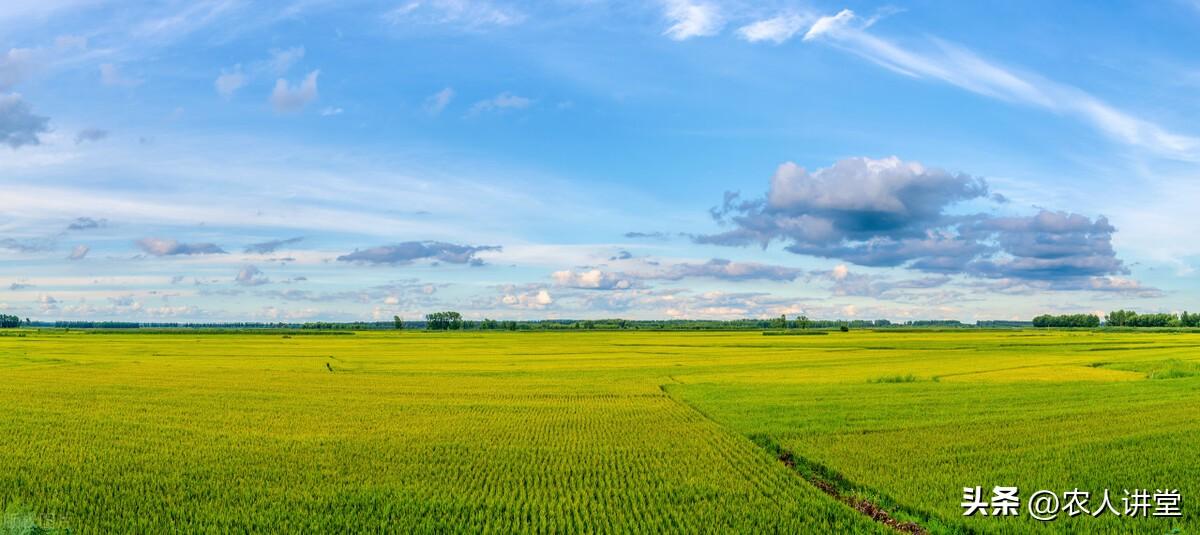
{"points": [[454, 321], [350, 326], [1129, 318], [997, 324], [1119, 318], [8, 321], [1067, 320]]}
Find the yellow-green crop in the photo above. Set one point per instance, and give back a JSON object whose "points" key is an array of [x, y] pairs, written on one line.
{"points": [[583, 432]]}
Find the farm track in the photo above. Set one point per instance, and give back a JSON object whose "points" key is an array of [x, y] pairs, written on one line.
{"points": [[820, 477]]}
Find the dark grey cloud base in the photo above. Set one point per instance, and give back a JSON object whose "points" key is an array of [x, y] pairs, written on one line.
{"points": [[890, 213]]}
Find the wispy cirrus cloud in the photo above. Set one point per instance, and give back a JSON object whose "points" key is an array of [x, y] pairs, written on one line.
{"points": [[777, 29], [271, 246], [437, 102], [958, 66], [502, 102], [692, 18], [29, 245], [465, 15]]}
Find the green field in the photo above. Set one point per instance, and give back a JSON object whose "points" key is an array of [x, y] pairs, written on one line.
{"points": [[588, 431]]}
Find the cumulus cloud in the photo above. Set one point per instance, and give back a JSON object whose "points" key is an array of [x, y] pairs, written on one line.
{"points": [[87, 223], [692, 19], [1048, 245], [165, 247], [79, 252], [437, 102], [855, 200], [892, 213], [90, 134], [19, 126], [503, 101], [271, 246], [776, 29], [47, 303], [287, 98], [529, 297], [251, 276], [228, 83], [409, 252], [592, 279]]}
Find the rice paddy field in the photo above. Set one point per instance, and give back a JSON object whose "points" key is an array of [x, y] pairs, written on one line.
{"points": [[581, 432]]}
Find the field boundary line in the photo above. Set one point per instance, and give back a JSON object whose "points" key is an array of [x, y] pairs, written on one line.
{"points": [[834, 484]]}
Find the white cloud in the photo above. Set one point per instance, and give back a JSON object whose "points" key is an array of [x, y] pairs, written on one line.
{"points": [[503, 101], [826, 24], [283, 60], [526, 297], [111, 76], [286, 98], [592, 279], [79, 252], [175, 24], [692, 19], [962, 68], [229, 82], [461, 14], [776, 29], [438, 101], [330, 111]]}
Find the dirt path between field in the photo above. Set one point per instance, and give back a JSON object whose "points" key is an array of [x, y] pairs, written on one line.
{"points": [[829, 483], [862, 505]]}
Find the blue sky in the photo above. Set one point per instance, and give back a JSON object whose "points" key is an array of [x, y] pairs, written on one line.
{"points": [[226, 160]]}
